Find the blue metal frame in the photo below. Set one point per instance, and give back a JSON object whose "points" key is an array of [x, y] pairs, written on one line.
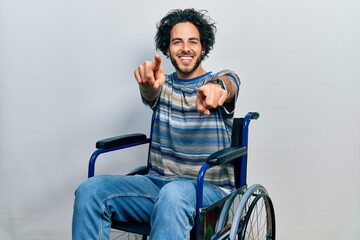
{"points": [[99, 151], [199, 195], [201, 175], [244, 143], [96, 153]]}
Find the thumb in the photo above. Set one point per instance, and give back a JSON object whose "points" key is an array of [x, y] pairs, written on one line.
{"points": [[201, 92], [199, 102]]}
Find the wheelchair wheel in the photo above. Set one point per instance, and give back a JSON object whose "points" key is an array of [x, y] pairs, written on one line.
{"points": [[254, 217], [228, 211], [120, 235]]}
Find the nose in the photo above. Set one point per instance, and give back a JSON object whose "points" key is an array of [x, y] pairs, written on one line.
{"points": [[186, 47]]}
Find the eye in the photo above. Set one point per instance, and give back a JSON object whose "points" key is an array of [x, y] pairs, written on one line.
{"points": [[176, 42]]}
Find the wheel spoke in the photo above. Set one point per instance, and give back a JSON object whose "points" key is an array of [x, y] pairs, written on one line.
{"points": [[257, 221]]}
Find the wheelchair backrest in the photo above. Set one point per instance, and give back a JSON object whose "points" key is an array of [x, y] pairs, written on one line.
{"points": [[237, 140]]}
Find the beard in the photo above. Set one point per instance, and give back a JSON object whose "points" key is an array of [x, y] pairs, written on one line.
{"points": [[185, 72]]}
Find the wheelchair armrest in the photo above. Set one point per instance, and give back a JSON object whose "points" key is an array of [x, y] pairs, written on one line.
{"points": [[115, 143], [142, 170], [226, 155], [120, 140]]}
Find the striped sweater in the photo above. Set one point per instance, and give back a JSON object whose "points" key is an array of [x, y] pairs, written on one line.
{"points": [[183, 138]]}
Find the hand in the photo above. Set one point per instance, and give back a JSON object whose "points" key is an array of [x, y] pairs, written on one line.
{"points": [[150, 75], [210, 96]]}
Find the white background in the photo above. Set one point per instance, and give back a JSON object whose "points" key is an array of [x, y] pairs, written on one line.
{"points": [[67, 81]]}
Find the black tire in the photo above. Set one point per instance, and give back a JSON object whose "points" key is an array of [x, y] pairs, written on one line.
{"points": [[254, 217], [260, 219]]}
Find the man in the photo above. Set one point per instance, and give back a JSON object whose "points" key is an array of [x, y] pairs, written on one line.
{"points": [[193, 118]]}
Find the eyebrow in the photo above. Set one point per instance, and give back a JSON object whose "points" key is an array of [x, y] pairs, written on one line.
{"points": [[193, 38]]}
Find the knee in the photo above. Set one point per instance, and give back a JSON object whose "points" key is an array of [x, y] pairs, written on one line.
{"points": [[85, 187], [178, 193], [176, 203], [88, 190]]}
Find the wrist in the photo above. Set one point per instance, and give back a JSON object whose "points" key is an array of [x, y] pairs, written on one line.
{"points": [[149, 94]]}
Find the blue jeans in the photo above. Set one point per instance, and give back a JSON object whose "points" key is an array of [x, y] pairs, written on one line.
{"points": [[168, 204]]}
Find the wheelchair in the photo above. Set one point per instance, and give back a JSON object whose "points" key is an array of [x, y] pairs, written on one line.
{"points": [[245, 213]]}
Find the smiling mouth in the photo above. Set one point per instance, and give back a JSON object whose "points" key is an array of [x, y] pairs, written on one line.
{"points": [[186, 59]]}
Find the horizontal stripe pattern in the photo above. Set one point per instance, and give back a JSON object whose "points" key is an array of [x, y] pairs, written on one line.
{"points": [[183, 138]]}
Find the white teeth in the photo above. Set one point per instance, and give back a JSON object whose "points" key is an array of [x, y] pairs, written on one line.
{"points": [[185, 58]]}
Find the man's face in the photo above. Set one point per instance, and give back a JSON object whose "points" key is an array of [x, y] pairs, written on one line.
{"points": [[185, 50]]}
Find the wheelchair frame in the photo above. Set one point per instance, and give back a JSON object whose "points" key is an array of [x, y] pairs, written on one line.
{"points": [[248, 198]]}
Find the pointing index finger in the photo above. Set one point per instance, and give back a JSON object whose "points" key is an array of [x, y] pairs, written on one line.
{"points": [[157, 62]]}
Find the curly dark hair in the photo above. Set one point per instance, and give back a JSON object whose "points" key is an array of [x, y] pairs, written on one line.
{"points": [[203, 23]]}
